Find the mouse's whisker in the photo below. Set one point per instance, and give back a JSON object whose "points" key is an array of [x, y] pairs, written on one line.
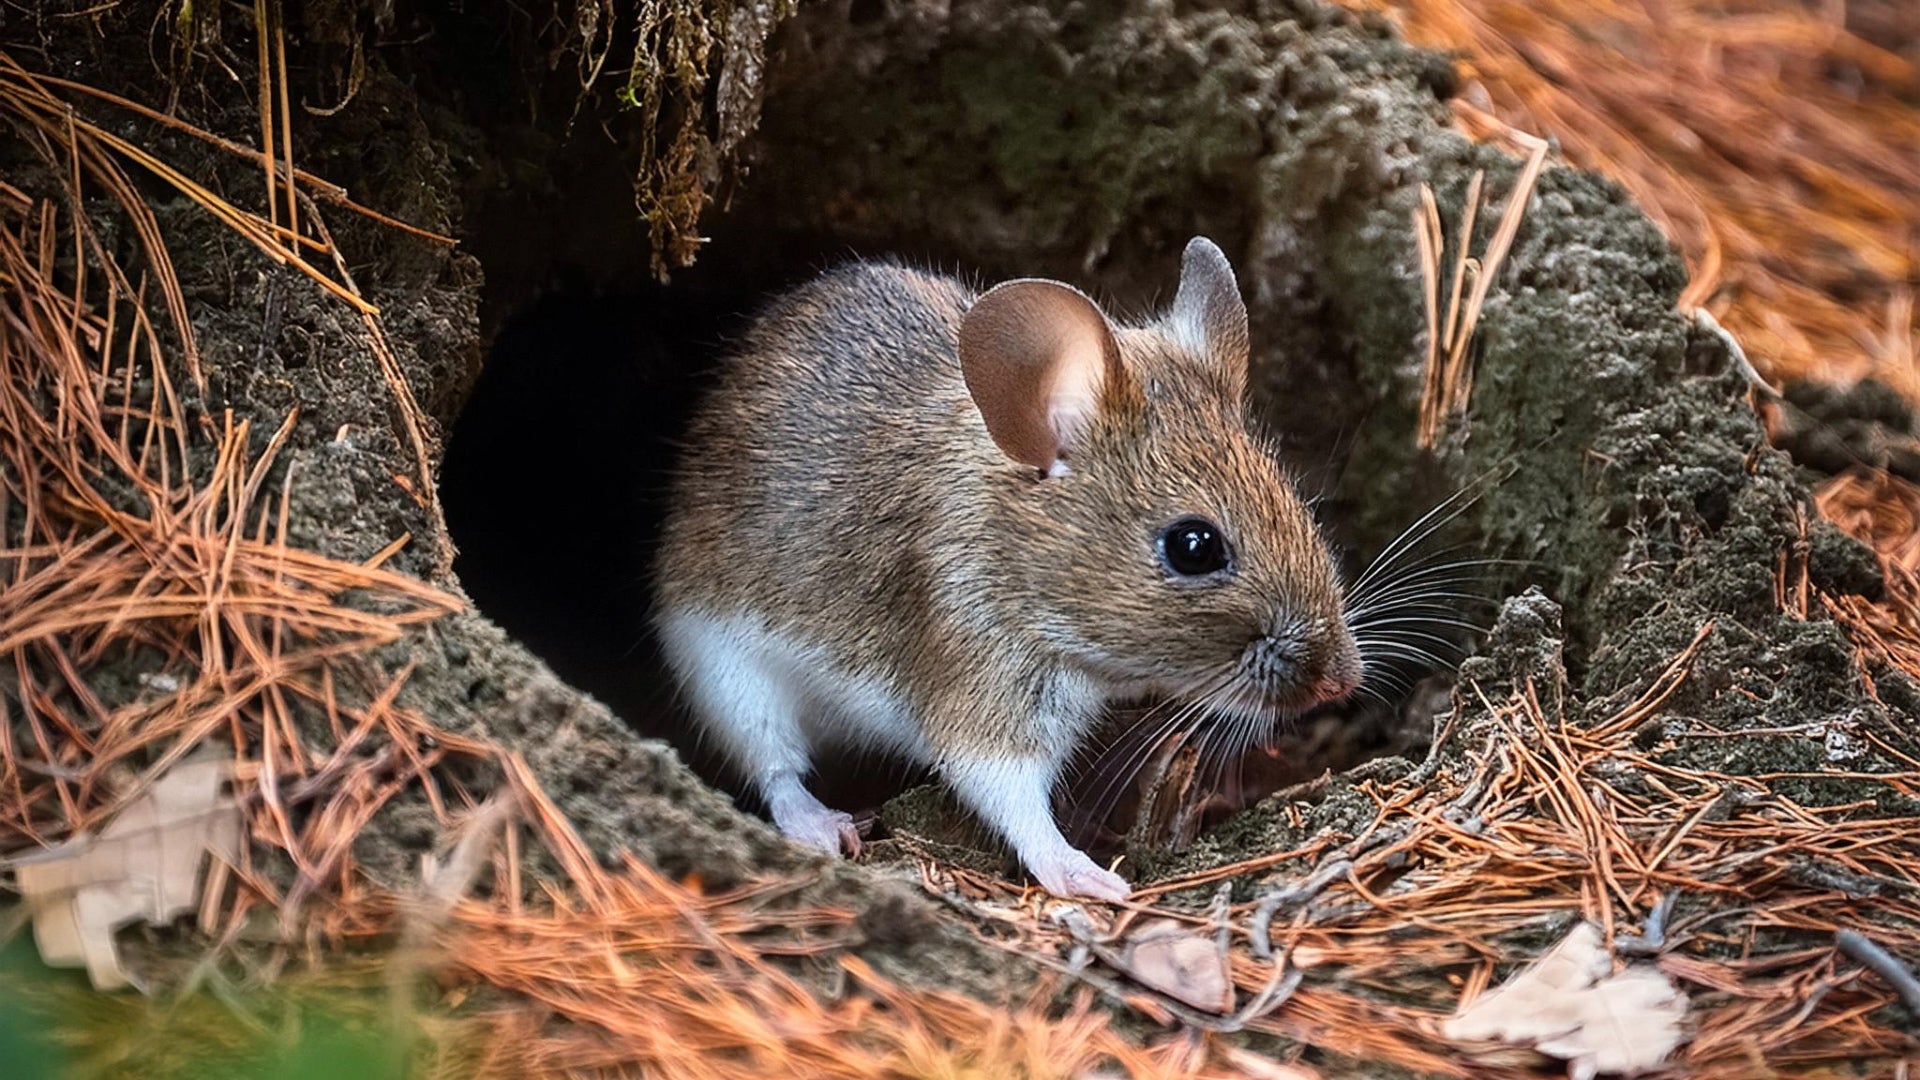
{"points": [[1109, 763], [1402, 651], [1404, 617], [1413, 587], [1128, 768], [1215, 753], [1408, 635], [1090, 753], [1366, 688], [1228, 749], [1172, 715], [1438, 517], [1374, 671], [1449, 572], [1133, 758], [1411, 537]]}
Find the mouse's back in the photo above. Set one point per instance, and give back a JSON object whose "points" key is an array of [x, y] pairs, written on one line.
{"points": [[815, 459]]}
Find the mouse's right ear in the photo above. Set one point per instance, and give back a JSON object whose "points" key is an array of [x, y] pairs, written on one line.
{"points": [[1038, 357]]}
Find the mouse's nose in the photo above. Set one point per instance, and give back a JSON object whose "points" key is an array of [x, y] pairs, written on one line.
{"points": [[1308, 665], [1333, 687], [1340, 670]]}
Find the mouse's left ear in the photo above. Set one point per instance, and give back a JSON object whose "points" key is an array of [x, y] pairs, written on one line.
{"points": [[1208, 314]]}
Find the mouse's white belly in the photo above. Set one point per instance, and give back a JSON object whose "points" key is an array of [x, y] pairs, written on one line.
{"points": [[836, 707]]}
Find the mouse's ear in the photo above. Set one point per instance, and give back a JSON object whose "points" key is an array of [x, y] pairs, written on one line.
{"points": [[1037, 356], [1208, 314]]}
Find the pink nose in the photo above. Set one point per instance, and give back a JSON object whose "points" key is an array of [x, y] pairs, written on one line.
{"points": [[1335, 685]]}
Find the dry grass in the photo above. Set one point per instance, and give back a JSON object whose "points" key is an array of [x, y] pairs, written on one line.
{"points": [[1882, 511], [1773, 145], [1448, 374], [121, 538]]}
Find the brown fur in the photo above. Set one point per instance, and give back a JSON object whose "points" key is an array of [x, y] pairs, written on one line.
{"points": [[841, 487]]}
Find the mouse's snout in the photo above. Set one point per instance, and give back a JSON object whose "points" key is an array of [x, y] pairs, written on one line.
{"points": [[1306, 666]]}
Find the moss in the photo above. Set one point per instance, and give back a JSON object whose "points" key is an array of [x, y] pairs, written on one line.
{"points": [[1340, 809], [1841, 565], [1043, 123], [685, 54]]}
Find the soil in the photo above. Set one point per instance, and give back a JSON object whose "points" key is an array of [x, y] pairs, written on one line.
{"points": [[1618, 463]]}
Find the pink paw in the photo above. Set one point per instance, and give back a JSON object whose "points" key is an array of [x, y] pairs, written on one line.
{"points": [[1071, 874], [830, 831]]}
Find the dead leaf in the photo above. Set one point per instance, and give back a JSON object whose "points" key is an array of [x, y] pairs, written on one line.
{"points": [[1629, 1024], [1185, 966], [1539, 1001], [1566, 1004], [144, 864]]}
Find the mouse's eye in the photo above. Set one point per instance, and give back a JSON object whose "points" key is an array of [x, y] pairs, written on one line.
{"points": [[1194, 547]]}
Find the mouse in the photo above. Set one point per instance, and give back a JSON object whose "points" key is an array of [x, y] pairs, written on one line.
{"points": [[953, 526]]}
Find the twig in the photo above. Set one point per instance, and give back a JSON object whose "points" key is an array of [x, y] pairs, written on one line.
{"points": [[1863, 951]]}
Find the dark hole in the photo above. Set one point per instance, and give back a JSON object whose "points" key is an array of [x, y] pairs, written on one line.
{"points": [[1713, 505], [866, 12]]}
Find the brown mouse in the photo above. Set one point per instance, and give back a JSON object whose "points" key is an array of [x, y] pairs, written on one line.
{"points": [[954, 527]]}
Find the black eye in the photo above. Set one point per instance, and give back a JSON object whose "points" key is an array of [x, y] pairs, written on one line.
{"points": [[1194, 547]]}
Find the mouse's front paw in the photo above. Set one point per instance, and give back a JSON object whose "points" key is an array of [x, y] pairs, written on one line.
{"points": [[1071, 874]]}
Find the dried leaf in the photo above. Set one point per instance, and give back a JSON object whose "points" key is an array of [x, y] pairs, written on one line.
{"points": [[1567, 1005], [144, 865], [1539, 1001], [1629, 1023], [1185, 966]]}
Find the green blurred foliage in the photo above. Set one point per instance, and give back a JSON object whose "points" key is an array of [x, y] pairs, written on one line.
{"points": [[54, 1025]]}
